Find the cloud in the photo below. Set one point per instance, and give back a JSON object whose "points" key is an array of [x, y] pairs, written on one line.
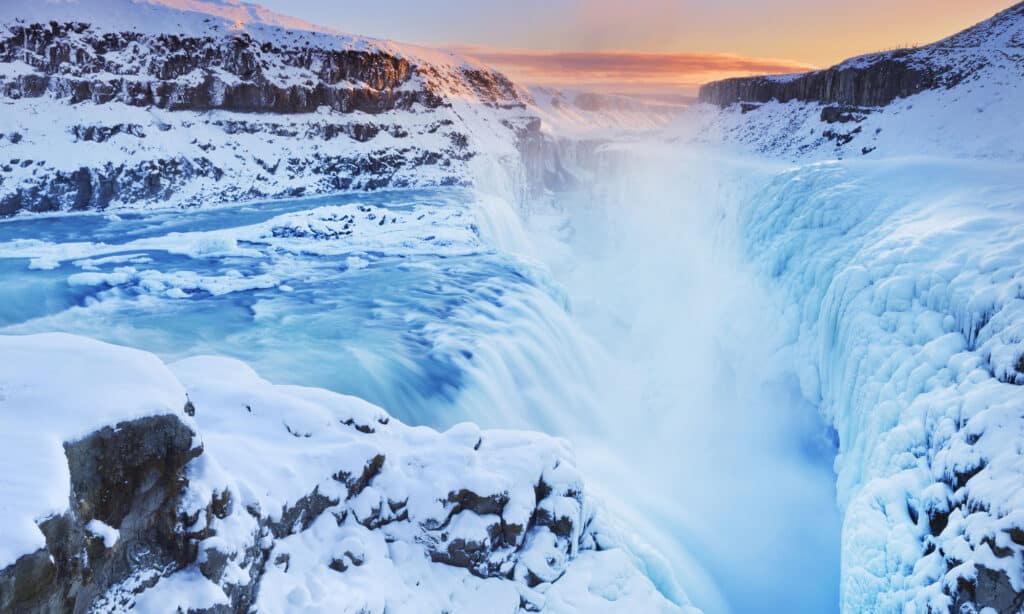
{"points": [[625, 69]]}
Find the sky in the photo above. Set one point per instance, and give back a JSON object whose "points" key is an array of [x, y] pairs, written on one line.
{"points": [[649, 44]]}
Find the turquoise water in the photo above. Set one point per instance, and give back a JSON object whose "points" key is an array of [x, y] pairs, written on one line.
{"points": [[635, 380], [433, 339]]}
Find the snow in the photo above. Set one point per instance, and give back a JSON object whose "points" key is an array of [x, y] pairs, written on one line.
{"points": [[50, 393], [100, 529], [907, 276], [369, 551], [187, 590]]}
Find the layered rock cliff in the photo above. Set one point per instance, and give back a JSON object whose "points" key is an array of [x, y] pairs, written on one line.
{"points": [[959, 96], [146, 104], [876, 80]]}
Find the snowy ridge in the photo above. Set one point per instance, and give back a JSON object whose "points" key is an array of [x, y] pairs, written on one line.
{"points": [[151, 27], [876, 79], [993, 42], [959, 96], [356, 512], [216, 18], [180, 104]]}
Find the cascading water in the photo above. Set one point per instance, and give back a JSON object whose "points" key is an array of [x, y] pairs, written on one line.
{"points": [[668, 372], [707, 445]]}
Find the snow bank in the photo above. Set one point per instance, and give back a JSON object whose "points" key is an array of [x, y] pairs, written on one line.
{"points": [[303, 499]]}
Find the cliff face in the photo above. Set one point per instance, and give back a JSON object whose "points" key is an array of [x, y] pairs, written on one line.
{"points": [[143, 104], [234, 72], [876, 80], [131, 476], [874, 85]]}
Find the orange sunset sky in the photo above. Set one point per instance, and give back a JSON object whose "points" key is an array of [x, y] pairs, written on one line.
{"points": [[650, 44]]}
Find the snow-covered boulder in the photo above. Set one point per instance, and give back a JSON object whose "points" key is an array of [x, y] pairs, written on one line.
{"points": [[128, 484]]}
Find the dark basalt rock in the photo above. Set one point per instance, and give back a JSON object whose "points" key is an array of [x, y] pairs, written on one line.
{"points": [[990, 589], [878, 79], [77, 63], [873, 86], [300, 515], [181, 72], [129, 477], [843, 114], [357, 484], [161, 180]]}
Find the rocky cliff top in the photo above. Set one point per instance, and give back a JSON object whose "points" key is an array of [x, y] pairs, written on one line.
{"points": [[203, 55], [200, 487], [958, 97], [877, 79], [192, 102]]}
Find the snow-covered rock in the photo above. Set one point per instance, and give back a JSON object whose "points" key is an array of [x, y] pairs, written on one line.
{"points": [[110, 102], [905, 279], [140, 103], [902, 266], [203, 487], [958, 97]]}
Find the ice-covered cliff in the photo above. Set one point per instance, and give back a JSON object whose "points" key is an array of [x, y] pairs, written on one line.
{"points": [[896, 240]]}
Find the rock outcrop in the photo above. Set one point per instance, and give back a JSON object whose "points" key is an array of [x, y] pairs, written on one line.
{"points": [[279, 498], [130, 476], [944, 97], [234, 72]]}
